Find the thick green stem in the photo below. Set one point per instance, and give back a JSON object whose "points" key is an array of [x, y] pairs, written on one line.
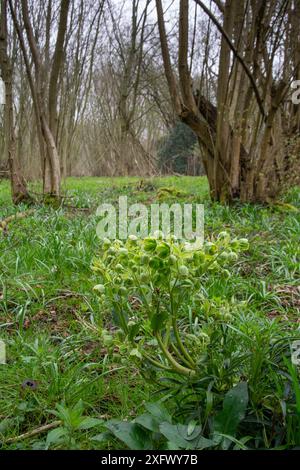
{"points": [[180, 345], [180, 356], [156, 363], [176, 366], [182, 349]]}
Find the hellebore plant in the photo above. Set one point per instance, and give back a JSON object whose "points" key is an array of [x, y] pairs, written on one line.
{"points": [[149, 284]]}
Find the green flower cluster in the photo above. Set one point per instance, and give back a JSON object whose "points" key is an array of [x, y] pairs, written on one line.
{"points": [[148, 284]]}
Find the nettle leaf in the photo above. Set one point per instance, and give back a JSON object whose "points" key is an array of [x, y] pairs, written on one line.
{"points": [[234, 410], [133, 435], [177, 434]]}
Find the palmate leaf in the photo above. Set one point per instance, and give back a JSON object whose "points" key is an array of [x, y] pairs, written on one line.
{"points": [[233, 412]]}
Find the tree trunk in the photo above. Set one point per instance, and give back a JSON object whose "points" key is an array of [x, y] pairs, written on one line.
{"points": [[241, 138], [18, 184]]}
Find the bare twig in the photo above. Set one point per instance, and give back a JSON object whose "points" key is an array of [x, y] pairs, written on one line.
{"points": [[33, 432]]}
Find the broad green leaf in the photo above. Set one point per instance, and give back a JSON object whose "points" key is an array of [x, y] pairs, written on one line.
{"points": [[55, 436], [148, 422], [133, 435], [191, 427], [88, 423], [233, 412], [158, 411], [135, 352], [172, 446], [5, 425], [158, 320], [102, 437], [178, 435]]}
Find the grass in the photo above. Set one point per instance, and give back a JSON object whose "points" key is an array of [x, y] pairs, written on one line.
{"points": [[50, 317]]}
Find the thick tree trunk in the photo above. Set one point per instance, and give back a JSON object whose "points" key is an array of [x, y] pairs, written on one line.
{"points": [[241, 138]]}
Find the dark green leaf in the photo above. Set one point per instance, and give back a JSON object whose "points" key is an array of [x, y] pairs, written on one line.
{"points": [[133, 435], [234, 410]]}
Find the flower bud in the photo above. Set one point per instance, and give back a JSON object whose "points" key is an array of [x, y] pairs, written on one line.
{"points": [[99, 288], [163, 250], [224, 236], [234, 243], [173, 259], [123, 252], [106, 243], [107, 340], [183, 271], [150, 244], [144, 259], [226, 273], [210, 248], [244, 244], [232, 256], [224, 256], [155, 262], [199, 257], [112, 250], [132, 240]]}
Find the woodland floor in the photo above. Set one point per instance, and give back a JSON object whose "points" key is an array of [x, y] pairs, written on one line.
{"points": [[49, 313]]}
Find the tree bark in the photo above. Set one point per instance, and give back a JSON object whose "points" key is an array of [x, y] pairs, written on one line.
{"points": [[18, 184], [242, 137]]}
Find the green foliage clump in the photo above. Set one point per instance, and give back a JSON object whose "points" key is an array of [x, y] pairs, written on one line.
{"points": [[176, 148], [216, 368], [152, 284]]}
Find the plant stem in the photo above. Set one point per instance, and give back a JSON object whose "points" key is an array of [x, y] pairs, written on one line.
{"points": [[177, 367], [180, 345]]}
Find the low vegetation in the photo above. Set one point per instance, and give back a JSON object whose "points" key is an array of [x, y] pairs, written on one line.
{"points": [[142, 344]]}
